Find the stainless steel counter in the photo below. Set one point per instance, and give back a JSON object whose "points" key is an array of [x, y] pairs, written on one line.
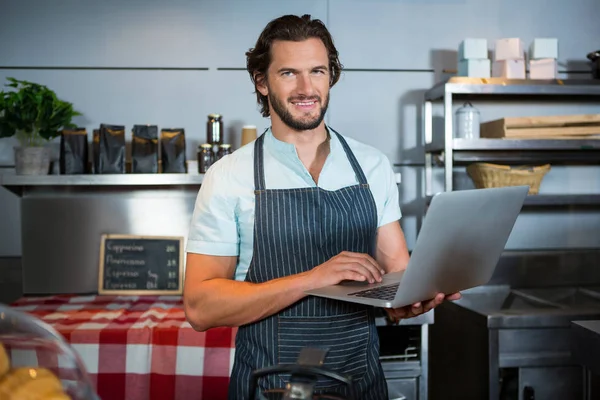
{"points": [[586, 344], [585, 347], [500, 306]]}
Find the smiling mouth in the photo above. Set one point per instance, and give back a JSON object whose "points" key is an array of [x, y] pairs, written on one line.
{"points": [[305, 103]]}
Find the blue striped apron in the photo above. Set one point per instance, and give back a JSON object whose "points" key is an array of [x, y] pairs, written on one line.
{"points": [[294, 231]]}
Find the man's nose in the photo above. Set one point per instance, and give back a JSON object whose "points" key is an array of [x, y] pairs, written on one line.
{"points": [[305, 85]]}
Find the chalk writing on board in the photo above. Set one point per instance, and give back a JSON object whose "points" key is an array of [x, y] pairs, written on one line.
{"points": [[140, 265]]}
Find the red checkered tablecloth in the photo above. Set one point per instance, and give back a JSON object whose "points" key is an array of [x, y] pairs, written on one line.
{"points": [[139, 347]]}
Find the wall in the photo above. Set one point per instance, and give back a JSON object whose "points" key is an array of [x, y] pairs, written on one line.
{"points": [[172, 63]]}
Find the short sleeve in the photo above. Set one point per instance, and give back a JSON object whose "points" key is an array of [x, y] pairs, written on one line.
{"points": [[391, 206], [213, 229]]}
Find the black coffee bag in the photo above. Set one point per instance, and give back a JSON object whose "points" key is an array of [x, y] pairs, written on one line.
{"points": [[112, 149], [73, 158], [172, 150], [144, 149], [96, 151]]}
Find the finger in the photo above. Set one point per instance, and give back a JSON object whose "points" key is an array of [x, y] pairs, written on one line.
{"points": [[436, 301], [454, 296], [400, 313], [430, 305], [367, 258], [417, 310], [362, 267], [355, 272]]}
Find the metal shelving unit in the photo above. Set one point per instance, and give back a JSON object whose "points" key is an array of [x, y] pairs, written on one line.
{"points": [[451, 151]]}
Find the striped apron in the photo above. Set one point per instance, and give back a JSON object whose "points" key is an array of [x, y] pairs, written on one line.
{"points": [[294, 231]]}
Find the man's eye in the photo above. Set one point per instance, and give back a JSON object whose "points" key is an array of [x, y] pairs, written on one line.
{"points": [[287, 73]]}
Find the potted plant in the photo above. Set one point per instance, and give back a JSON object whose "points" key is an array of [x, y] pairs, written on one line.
{"points": [[33, 114]]}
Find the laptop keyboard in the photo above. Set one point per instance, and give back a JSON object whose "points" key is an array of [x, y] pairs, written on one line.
{"points": [[387, 292]]}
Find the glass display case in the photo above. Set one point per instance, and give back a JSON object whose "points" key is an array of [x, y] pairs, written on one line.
{"points": [[37, 363]]}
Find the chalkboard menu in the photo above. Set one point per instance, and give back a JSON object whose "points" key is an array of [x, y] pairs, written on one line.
{"points": [[140, 265]]}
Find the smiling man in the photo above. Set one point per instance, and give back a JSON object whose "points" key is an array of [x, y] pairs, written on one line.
{"points": [[299, 208]]}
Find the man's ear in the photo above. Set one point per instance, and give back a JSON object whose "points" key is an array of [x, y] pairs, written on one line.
{"points": [[261, 84]]}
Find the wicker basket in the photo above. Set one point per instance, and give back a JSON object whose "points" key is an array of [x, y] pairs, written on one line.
{"points": [[487, 175]]}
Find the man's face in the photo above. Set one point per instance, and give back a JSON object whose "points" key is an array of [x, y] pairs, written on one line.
{"points": [[297, 83]]}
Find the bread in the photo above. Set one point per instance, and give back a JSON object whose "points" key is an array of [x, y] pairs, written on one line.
{"points": [[29, 384], [4, 361]]}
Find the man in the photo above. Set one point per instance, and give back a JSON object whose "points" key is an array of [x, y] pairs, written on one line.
{"points": [[301, 207]]}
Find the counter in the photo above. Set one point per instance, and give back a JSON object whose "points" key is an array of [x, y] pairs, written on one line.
{"points": [[586, 344]]}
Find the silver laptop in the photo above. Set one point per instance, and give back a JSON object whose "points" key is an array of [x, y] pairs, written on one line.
{"points": [[460, 242]]}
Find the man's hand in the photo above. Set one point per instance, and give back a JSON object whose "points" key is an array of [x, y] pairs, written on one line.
{"points": [[346, 266], [396, 314]]}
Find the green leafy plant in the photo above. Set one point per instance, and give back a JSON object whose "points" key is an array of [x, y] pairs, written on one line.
{"points": [[33, 113]]}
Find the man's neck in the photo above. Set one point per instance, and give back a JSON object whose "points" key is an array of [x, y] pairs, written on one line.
{"points": [[312, 145], [301, 139]]}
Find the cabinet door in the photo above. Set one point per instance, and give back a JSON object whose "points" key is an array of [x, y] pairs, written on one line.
{"points": [[402, 389], [550, 383]]}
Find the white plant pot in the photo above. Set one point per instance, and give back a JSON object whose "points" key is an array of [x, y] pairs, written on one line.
{"points": [[32, 160]]}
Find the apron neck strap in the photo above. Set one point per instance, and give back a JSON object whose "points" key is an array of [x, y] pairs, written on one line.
{"points": [[259, 165]]}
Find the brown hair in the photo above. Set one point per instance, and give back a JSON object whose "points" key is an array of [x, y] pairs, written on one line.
{"points": [[292, 28]]}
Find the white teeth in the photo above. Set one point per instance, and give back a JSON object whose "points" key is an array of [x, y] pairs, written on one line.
{"points": [[306, 104]]}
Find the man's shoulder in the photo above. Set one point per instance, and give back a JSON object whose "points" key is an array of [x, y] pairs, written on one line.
{"points": [[235, 169], [365, 153]]}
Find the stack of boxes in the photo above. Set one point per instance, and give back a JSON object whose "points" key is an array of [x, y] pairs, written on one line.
{"points": [[543, 58], [473, 58], [509, 59]]}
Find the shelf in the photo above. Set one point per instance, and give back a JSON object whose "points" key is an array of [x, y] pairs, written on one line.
{"points": [[15, 182], [517, 144], [563, 200], [516, 151], [502, 86], [557, 200]]}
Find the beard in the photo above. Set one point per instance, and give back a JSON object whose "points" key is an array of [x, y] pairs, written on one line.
{"points": [[295, 123]]}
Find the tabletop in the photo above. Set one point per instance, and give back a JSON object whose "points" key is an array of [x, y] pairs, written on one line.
{"points": [[139, 347]]}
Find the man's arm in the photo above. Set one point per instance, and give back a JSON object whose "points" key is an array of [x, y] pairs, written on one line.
{"points": [[212, 298], [391, 251]]}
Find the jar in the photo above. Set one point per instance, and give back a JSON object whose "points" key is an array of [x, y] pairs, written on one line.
{"points": [[248, 134], [206, 157], [224, 149], [467, 122], [214, 129]]}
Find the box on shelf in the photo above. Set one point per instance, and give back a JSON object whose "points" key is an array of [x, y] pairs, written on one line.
{"points": [[543, 48], [509, 49], [473, 48], [543, 127], [546, 68], [475, 68], [509, 69]]}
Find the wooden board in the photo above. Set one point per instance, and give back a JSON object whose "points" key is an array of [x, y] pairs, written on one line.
{"points": [[141, 265], [576, 126], [551, 132], [552, 121]]}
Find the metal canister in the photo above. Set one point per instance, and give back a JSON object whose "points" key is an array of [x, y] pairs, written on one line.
{"points": [[206, 157], [214, 129], [224, 149]]}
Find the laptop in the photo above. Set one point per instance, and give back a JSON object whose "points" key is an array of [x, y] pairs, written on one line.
{"points": [[460, 242]]}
